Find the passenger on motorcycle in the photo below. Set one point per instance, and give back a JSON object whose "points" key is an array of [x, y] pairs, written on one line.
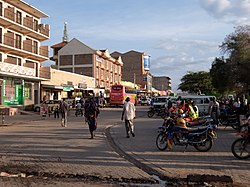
{"points": [[79, 109], [195, 107], [180, 121], [190, 112]]}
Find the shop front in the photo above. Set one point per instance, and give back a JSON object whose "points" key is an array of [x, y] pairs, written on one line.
{"points": [[18, 92], [72, 86], [13, 92]]}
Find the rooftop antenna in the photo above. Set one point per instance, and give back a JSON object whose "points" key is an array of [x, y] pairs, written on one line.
{"points": [[65, 33]]}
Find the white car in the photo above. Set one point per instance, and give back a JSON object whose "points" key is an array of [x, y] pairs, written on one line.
{"points": [[49, 103], [145, 100], [160, 101]]}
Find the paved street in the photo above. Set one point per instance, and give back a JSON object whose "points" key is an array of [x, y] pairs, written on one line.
{"points": [[177, 163], [67, 157]]}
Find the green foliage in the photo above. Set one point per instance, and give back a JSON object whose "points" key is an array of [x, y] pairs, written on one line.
{"points": [[237, 47], [196, 82], [220, 75]]}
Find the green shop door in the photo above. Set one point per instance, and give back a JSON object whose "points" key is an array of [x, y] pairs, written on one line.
{"points": [[1, 94], [19, 94]]}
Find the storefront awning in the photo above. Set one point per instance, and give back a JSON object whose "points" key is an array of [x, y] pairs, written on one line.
{"points": [[52, 86]]}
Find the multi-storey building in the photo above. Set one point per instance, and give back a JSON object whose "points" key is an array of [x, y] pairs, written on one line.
{"points": [[135, 68], [21, 52], [76, 57], [162, 83]]}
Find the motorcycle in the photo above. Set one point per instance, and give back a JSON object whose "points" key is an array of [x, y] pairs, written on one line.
{"points": [[241, 146], [158, 111], [78, 112], [200, 137], [229, 120]]}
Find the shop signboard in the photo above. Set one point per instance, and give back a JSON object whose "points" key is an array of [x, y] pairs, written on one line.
{"points": [[82, 85], [146, 63], [66, 88]]}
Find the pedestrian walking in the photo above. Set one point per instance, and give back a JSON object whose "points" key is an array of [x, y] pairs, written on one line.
{"points": [[214, 110], [128, 113], [56, 111], [64, 110], [91, 113]]}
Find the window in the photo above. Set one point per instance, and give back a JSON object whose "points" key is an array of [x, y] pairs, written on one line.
{"points": [[206, 100], [35, 25], [28, 91], [19, 17], [1, 8], [117, 87], [19, 62], [35, 47], [18, 41], [1, 57], [97, 73]]}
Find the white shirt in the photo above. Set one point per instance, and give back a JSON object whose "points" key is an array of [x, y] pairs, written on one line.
{"points": [[237, 104], [129, 110]]}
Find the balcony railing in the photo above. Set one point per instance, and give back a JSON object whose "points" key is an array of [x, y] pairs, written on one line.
{"points": [[28, 22], [27, 45], [9, 13]]}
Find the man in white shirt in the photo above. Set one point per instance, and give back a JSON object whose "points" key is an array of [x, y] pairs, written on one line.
{"points": [[129, 114]]}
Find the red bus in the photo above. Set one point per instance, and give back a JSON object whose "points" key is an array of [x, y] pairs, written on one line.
{"points": [[118, 94]]}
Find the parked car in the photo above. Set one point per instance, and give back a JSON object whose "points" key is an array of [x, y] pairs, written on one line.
{"points": [[49, 104], [160, 101], [145, 100]]}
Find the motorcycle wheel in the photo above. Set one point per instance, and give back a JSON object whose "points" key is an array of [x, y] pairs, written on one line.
{"points": [[150, 114], [241, 148], [205, 146], [161, 141]]}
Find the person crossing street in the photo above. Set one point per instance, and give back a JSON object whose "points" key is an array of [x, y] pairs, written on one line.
{"points": [[128, 114]]}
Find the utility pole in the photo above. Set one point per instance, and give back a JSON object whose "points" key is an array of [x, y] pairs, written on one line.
{"points": [[134, 79]]}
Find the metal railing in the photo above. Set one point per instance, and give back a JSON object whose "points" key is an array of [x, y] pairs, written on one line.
{"points": [[12, 42], [24, 21]]}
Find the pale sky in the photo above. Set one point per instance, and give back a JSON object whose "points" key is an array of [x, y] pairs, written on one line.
{"points": [[179, 35]]}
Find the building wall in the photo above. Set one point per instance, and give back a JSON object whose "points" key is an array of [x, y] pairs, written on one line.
{"points": [[21, 51], [60, 79], [133, 69], [86, 61], [162, 83]]}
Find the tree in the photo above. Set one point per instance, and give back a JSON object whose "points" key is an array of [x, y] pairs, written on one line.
{"points": [[237, 47], [220, 74], [196, 82]]}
